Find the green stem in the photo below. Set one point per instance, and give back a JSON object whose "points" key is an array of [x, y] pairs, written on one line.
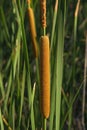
{"points": [[44, 31], [28, 4], [44, 123]]}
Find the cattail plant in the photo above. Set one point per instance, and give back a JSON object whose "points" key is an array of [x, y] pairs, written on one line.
{"points": [[23, 80], [44, 65], [32, 29]]}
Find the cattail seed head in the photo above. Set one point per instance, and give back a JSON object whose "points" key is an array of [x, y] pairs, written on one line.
{"points": [[33, 31], [45, 76], [32, 23], [43, 13]]}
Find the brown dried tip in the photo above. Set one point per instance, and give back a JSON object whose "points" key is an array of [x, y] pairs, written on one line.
{"points": [[33, 31], [77, 8], [45, 76], [43, 13]]}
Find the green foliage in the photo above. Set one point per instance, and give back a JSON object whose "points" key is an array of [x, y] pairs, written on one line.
{"points": [[19, 70]]}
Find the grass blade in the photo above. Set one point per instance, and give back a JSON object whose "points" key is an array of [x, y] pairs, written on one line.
{"points": [[4, 21], [32, 109], [22, 93], [8, 90], [59, 69], [2, 87], [54, 23], [1, 122]]}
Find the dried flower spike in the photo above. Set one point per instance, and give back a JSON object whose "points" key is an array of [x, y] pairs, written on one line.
{"points": [[43, 13]]}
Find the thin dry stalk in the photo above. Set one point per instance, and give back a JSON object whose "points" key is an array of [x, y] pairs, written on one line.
{"points": [[77, 8]]}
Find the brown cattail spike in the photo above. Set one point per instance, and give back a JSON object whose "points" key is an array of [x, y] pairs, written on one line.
{"points": [[32, 23], [33, 30], [45, 76], [43, 13]]}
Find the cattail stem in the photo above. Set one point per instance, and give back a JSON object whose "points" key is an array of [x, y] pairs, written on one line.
{"points": [[44, 123], [28, 2], [44, 31]]}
